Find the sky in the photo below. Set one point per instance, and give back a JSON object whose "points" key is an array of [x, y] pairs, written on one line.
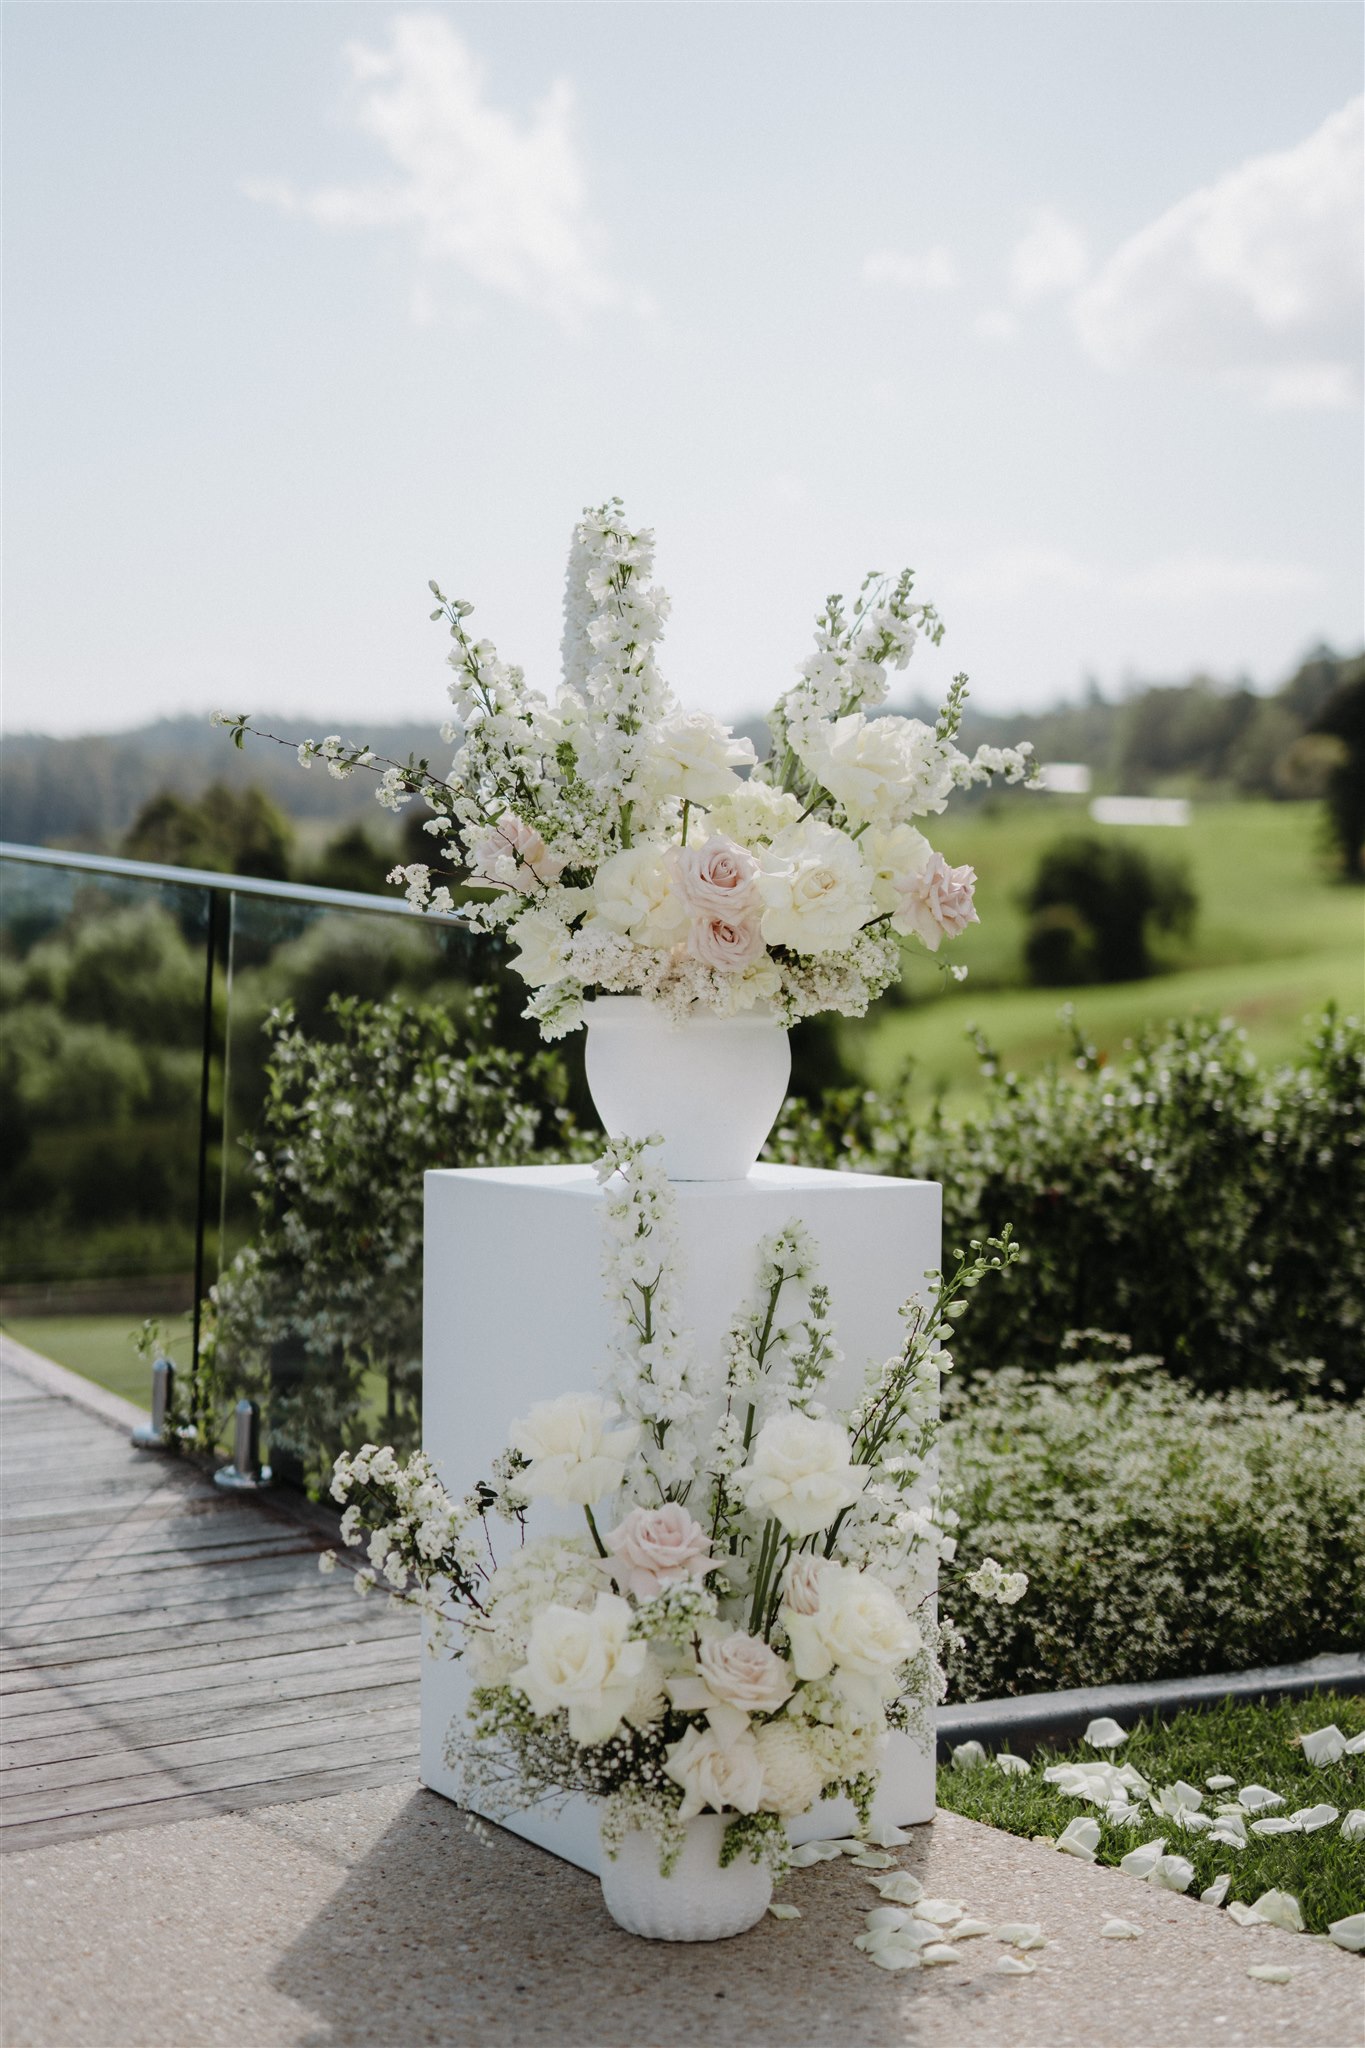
{"points": [[306, 303]]}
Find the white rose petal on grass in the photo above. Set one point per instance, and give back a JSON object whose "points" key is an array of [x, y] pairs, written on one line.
{"points": [[1080, 1837], [1353, 1827], [781, 1912], [1012, 1766], [1276, 1824], [968, 1756], [1356, 1744], [1349, 1933], [1141, 1862], [1259, 1799], [1172, 1874], [1271, 1973], [1119, 1930], [1324, 1745], [1217, 1891], [1177, 1799], [1221, 1784], [1015, 1966], [1311, 1818], [1279, 1909], [1105, 1733]]}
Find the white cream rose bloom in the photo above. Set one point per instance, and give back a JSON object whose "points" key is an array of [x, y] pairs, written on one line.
{"points": [[694, 756], [715, 1776], [544, 947], [632, 893], [859, 1627], [881, 770], [816, 889], [575, 1455], [587, 1663], [800, 1472], [793, 1776], [894, 853]]}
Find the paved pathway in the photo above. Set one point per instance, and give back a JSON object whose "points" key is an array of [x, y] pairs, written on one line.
{"points": [[168, 1649]]}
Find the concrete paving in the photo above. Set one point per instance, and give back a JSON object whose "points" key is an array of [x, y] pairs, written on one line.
{"points": [[374, 1919]]}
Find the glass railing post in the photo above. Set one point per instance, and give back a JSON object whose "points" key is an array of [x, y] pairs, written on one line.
{"points": [[213, 925]]}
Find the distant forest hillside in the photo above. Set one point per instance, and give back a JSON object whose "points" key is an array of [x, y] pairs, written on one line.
{"points": [[86, 793]]}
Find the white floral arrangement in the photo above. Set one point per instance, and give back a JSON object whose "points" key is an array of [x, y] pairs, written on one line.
{"points": [[742, 1620], [631, 847]]}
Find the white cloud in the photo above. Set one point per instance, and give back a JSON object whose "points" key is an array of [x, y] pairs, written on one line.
{"points": [[934, 271], [1019, 574], [1050, 258], [1256, 279], [996, 324], [504, 201]]}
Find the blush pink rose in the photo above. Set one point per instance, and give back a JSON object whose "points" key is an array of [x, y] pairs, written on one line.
{"points": [[715, 880], [801, 1585], [512, 855], [745, 1673], [727, 943], [658, 1547], [936, 902]]}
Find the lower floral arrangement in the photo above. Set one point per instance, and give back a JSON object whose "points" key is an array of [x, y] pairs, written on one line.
{"points": [[740, 1620]]}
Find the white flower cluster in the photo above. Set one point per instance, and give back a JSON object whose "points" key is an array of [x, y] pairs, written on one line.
{"points": [[627, 846]]}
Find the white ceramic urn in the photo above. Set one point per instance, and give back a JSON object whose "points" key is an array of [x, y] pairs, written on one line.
{"points": [[698, 1900]]}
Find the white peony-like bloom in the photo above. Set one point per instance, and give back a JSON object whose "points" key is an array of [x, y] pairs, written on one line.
{"points": [[859, 1628], [893, 853], [587, 1663], [544, 947], [632, 893], [881, 770], [816, 889], [800, 1472], [716, 1776], [793, 1777], [575, 1455], [694, 756], [754, 813]]}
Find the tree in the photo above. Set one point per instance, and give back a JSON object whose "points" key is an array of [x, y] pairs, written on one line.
{"points": [[228, 831], [1342, 719], [1094, 905]]}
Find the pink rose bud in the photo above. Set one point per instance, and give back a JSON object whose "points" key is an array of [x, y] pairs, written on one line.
{"points": [[727, 943], [512, 855], [658, 1547], [801, 1585], [715, 880]]}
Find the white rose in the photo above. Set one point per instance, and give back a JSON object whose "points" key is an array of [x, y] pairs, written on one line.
{"points": [[800, 1472], [793, 1776], [544, 944], [632, 893], [695, 757], [719, 1776], [893, 853], [754, 813], [859, 1626], [801, 1584], [744, 1672], [575, 1455], [585, 1662], [816, 889], [879, 769]]}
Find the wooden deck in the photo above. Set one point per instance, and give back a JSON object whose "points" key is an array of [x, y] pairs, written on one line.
{"points": [[168, 1650]]}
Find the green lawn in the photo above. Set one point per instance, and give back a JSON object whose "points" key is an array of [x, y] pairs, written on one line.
{"points": [[1253, 1744], [100, 1348], [1274, 940]]}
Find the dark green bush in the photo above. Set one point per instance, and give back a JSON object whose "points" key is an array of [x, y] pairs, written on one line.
{"points": [[1094, 904], [1165, 1532], [1206, 1208]]}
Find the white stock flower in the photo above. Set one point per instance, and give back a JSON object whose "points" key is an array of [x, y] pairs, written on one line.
{"points": [[800, 1471], [694, 756], [859, 1629], [714, 1775], [585, 1662], [632, 893], [793, 1776], [575, 1455], [816, 889]]}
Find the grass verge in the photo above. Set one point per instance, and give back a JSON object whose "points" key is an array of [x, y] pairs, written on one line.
{"points": [[1253, 1743]]}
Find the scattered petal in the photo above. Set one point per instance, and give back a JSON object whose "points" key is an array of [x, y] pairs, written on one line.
{"points": [[1229, 1840], [893, 1956], [1353, 1827], [902, 1889], [968, 1756], [1217, 1891], [873, 1859], [1356, 1745], [1012, 1766], [940, 1912], [847, 1845], [1080, 1837], [1279, 1909], [882, 1835], [1119, 1930], [1015, 1966], [1349, 1933], [1311, 1818], [1172, 1874], [1271, 1973], [1244, 1915], [1123, 1815], [1324, 1745], [967, 1930], [1178, 1798], [1105, 1734], [1190, 1822], [1141, 1862], [781, 1912], [814, 1852], [939, 1952], [1276, 1824], [1259, 1798], [1221, 1784], [1021, 1934]]}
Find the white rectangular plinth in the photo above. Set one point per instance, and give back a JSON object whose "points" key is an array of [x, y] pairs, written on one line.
{"points": [[515, 1313]]}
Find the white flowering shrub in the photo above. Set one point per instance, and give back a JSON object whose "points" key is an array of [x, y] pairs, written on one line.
{"points": [[623, 845], [1165, 1532], [1207, 1207], [749, 1609], [322, 1310]]}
